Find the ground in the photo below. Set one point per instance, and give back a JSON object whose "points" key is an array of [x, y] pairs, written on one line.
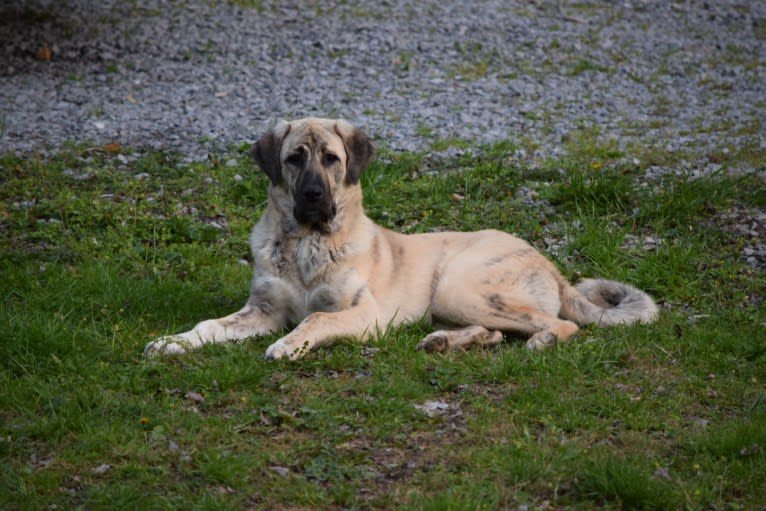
{"points": [[122, 220]]}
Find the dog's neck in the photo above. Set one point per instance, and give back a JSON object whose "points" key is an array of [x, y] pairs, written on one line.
{"points": [[349, 215], [315, 250]]}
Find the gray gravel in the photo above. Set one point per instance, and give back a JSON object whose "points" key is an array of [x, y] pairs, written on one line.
{"points": [[197, 76]]}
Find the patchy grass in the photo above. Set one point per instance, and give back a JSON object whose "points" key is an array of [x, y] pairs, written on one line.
{"points": [[585, 65], [477, 63], [102, 250]]}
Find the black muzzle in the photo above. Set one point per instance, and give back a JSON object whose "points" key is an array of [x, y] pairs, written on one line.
{"points": [[314, 205]]}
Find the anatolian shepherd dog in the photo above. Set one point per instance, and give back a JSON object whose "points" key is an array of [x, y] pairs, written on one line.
{"points": [[323, 266]]}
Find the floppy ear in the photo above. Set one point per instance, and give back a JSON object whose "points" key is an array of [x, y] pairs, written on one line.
{"points": [[268, 149], [359, 150]]}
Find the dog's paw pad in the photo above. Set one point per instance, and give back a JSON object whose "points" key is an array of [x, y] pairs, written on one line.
{"points": [[541, 341], [433, 343]]}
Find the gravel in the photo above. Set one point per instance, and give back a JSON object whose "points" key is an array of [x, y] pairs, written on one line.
{"points": [[198, 76]]}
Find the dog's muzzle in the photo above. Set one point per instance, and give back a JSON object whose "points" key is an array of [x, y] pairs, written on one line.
{"points": [[314, 206]]}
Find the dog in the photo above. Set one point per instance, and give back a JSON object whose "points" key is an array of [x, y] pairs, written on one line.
{"points": [[324, 267]]}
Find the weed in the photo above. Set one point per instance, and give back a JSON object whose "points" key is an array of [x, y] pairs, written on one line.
{"points": [[584, 66], [628, 484]]}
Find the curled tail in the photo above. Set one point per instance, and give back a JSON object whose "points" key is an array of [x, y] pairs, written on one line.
{"points": [[606, 302]]}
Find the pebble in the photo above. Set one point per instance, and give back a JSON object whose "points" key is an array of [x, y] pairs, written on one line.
{"points": [[194, 397], [640, 71], [433, 408], [102, 469], [282, 471]]}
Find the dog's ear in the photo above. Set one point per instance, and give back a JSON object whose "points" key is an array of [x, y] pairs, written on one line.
{"points": [[359, 150], [267, 151]]}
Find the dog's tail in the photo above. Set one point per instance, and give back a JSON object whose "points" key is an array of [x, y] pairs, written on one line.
{"points": [[606, 302]]}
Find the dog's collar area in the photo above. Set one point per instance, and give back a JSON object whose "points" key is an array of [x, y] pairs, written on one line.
{"points": [[315, 220]]}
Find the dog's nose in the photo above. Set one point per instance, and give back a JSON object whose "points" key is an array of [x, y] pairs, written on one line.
{"points": [[312, 193]]}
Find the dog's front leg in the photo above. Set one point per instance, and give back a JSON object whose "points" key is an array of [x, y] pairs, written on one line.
{"points": [[321, 328], [250, 321]]}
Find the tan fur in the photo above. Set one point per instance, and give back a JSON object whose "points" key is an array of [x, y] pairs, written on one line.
{"points": [[346, 277]]}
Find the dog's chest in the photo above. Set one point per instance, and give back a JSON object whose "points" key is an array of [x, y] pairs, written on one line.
{"points": [[304, 260]]}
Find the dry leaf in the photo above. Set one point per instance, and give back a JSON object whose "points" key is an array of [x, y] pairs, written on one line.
{"points": [[44, 53]]}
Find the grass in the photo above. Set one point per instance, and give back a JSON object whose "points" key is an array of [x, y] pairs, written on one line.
{"points": [[584, 66], [96, 261]]}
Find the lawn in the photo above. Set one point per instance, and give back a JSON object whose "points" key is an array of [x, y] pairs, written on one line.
{"points": [[103, 248]]}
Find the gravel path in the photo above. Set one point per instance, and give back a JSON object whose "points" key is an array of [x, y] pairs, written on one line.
{"points": [[196, 76]]}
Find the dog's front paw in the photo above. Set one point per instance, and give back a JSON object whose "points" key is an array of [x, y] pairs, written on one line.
{"points": [[167, 345], [541, 341], [284, 348]]}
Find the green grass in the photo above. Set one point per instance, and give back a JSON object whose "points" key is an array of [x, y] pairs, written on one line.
{"points": [[95, 262], [584, 66]]}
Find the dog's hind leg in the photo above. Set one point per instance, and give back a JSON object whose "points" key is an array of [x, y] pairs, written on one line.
{"points": [[453, 340], [546, 330], [501, 311]]}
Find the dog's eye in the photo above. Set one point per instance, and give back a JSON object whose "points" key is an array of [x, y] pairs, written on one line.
{"points": [[330, 159], [295, 158]]}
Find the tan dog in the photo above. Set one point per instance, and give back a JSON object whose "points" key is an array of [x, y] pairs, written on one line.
{"points": [[324, 266]]}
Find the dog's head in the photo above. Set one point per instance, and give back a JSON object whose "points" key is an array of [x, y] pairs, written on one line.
{"points": [[314, 161]]}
